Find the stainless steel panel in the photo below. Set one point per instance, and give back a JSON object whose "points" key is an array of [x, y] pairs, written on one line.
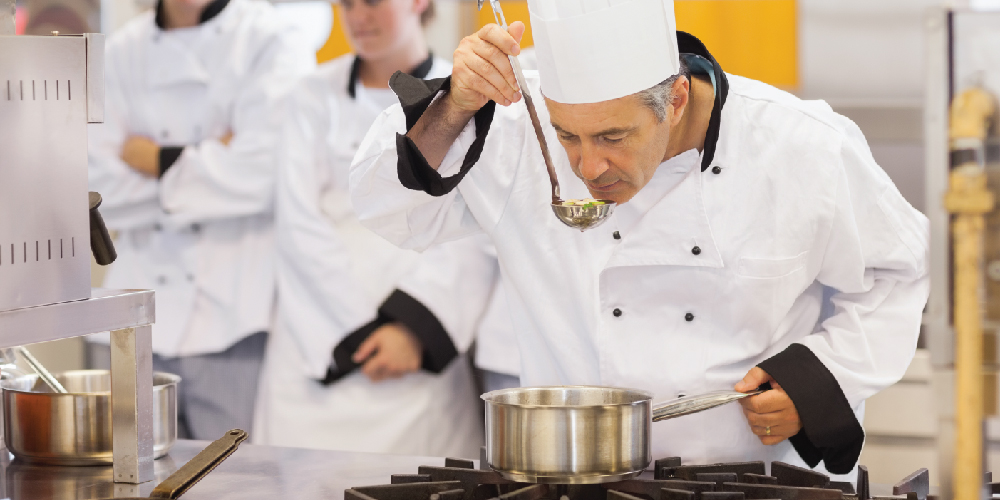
{"points": [[132, 404], [940, 337], [95, 77], [106, 310], [44, 225], [75, 429], [7, 12]]}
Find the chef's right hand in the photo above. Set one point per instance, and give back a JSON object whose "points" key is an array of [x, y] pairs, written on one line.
{"points": [[482, 71], [391, 351]]}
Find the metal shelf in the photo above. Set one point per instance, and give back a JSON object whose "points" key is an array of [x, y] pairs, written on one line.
{"points": [[106, 310]]}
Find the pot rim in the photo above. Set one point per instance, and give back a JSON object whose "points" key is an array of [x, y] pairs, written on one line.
{"points": [[490, 397], [172, 380]]}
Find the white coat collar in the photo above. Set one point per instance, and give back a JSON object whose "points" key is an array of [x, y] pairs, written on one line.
{"points": [[675, 222], [172, 61]]}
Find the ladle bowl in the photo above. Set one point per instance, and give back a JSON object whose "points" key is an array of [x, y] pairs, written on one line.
{"points": [[584, 217]]}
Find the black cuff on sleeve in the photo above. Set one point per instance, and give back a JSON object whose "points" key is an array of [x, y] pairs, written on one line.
{"points": [[415, 95], [342, 354], [439, 350], [168, 156], [830, 430]]}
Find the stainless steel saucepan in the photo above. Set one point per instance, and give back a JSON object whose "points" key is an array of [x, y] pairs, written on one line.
{"points": [[579, 434]]}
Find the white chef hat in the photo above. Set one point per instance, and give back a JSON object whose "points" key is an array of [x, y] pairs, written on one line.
{"points": [[598, 50]]}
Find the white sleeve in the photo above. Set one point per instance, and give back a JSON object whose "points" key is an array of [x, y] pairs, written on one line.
{"points": [[455, 281], [320, 302], [211, 180], [875, 263], [130, 198]]}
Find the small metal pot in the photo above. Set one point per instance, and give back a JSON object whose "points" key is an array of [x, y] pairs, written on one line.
{"points": [[578, 434], [75, 429]]}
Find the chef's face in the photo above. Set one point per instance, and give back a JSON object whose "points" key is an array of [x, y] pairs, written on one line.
{"points": [[377, 28], [615, 146]]}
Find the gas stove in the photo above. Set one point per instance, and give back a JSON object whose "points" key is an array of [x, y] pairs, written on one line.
{"points": [[668, 480]]}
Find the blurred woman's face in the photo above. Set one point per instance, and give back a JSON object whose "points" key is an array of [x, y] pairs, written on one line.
{"points": [[378, 27]]}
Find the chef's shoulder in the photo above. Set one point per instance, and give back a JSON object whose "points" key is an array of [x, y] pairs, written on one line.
{"points": [[140, 28], [259, 22], [795, 129]]}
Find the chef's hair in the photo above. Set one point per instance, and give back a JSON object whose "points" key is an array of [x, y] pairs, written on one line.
{"points": [[657, 96]]}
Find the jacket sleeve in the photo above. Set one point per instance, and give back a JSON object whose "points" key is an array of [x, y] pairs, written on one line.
{"points": [[874, 270], [320, 300], [130, 199], [402, 199], [454, 281], [211, 180]]}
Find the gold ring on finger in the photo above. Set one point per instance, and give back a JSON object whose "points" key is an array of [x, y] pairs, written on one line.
{"points": [[767, 431]]}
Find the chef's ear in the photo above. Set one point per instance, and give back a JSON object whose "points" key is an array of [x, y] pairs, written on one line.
{"points": [[426, 10], [680, 96]]}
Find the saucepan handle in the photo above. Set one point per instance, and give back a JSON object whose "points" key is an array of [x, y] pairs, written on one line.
{"points": [[695, 404], [199, 466]]}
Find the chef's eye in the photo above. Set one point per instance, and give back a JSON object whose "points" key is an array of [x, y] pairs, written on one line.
{"points": [[567, 137], [613, 139]]}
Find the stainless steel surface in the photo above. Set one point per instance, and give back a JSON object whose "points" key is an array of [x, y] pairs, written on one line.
{"points": [[132, 404], [695, 404], [44, 222], [252, 473], [584, 218], [95, 77], [105, 310], [76, 428], [40, 369], [568, 435], [7, 11]]}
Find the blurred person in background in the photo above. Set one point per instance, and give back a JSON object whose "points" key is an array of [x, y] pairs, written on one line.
{"points": [[186, 164], [360, 358]]}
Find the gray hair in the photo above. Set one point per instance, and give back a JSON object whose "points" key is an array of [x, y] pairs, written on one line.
{"points": [[658, 96]]}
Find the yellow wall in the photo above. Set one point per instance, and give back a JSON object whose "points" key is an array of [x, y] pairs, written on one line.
{"points": [[337, 45], [752, 38]]}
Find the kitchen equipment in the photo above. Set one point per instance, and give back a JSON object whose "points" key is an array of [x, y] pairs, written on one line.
{"points": [[42, 372], [668, 479], [578, 434], [578, 217], [51, 87], [75, 428], [198, 467]]}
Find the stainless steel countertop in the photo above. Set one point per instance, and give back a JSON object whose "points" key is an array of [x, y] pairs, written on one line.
{"points": [[252, 472]]}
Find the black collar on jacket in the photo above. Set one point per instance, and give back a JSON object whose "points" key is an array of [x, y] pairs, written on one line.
{"points": [[688, 44], [420, 71], [211, 10]]}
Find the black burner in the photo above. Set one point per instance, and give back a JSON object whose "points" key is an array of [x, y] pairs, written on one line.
{"points": [[459, 480]]}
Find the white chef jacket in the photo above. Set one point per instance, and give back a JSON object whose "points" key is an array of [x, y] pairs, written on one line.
{"points": [[801, 238], [333, 273], [201, 236]]}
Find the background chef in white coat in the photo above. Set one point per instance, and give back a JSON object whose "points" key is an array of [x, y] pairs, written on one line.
{"points": [[359, 360], [185, 162], [756, 239]]}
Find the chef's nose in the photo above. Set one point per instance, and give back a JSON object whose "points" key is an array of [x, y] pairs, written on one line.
{"points": [[592, 165]]}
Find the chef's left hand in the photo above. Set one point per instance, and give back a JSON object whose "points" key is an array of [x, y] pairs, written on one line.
{"points": [[772, 410], [389, 352], [143, 155]]}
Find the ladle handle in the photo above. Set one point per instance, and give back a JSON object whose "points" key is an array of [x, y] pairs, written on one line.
{"points": [[41, 371], [530, 103]]}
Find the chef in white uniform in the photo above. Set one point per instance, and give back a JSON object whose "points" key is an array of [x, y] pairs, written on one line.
{"points": [[185, 162], [359, 360], [756, 239]]}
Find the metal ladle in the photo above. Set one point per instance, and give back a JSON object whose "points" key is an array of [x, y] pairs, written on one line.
{"points": [[41, 371], [581, 217]]}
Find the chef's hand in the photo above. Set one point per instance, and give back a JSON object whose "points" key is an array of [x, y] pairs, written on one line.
{"points": [[772, 410], [481, 69], [389, 352], [226, 139], [143, 155]]}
